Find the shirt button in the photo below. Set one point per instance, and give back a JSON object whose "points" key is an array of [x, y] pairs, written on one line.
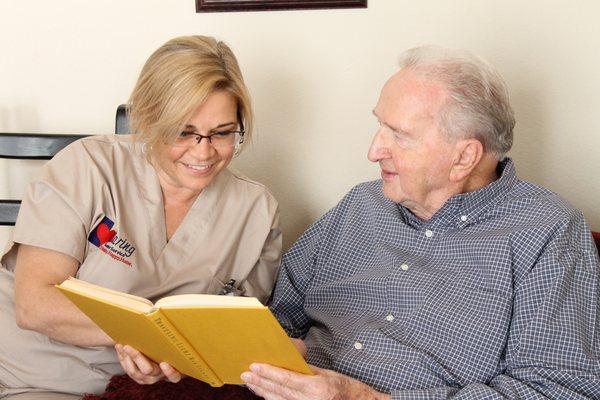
{"points": [[463, 218], [428, 233], [358, 345], [404, 267], [389, 318]]}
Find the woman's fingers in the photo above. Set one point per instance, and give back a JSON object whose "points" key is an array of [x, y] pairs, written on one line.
{"points": [[137, 366], [170, 373], [145, 365]]}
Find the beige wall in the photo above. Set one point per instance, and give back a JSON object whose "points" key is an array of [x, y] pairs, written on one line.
{"points": [[315, 77]]}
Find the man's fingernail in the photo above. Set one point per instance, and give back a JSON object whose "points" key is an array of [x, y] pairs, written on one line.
{"points": [[254, 368]]}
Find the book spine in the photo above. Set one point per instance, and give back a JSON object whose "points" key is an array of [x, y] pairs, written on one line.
{"points": [[203, 371]]}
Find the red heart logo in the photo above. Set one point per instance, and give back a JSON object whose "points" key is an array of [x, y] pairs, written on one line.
{"points": [[104, 233]]}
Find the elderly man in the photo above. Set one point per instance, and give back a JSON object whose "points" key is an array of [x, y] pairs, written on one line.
{"points": [[449, 277]]}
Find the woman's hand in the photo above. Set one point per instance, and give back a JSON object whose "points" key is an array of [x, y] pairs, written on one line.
{"points": [[143, 370]]}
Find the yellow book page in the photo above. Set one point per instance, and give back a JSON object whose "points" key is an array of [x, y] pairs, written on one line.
{"points": [[101, 293], [230, 339], [141, 331], [191, 300]]}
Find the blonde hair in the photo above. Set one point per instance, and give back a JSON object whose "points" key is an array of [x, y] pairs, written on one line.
{"points": [[176, 80]]}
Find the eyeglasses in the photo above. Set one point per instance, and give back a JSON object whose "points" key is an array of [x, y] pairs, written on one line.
{"points": [[224, 139], [219, 140]]}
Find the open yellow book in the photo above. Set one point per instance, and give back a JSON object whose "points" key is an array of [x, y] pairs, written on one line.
{"points": [[211, 338]]}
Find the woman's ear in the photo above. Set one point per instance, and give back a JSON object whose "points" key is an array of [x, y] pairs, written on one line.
{"points": [[468, 155]]}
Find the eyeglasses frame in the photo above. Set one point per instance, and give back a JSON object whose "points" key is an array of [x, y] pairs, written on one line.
{"points": [[241, 132]]}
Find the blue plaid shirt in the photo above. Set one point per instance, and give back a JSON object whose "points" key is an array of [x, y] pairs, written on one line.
{"points": [[495, 297]]}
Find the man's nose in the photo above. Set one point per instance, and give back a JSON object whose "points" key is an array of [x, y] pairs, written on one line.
{"points": [[378, 149]]}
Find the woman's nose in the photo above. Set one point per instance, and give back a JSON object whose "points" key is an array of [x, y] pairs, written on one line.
{"points": [[203, 149]]}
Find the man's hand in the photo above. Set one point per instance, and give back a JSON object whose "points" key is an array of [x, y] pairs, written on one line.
{"points": [[142, 370], [274, 383]]}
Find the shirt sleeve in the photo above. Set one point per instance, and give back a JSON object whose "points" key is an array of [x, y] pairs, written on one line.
{"points": [[295, 275], [553, 343], [53, 211]]}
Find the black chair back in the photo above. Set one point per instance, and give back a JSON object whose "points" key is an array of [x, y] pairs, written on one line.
{"points": [[121, 121], [28, 146], [36, 146], [33, 146]]}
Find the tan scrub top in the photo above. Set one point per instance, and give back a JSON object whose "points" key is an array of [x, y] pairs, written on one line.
{"points": [[100, 202]]}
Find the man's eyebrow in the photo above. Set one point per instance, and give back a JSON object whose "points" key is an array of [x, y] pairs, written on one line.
{"points": [[381, 122], [395, 129]]}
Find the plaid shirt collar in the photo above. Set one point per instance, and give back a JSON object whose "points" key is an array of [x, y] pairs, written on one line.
{"points": [[465, 208]]}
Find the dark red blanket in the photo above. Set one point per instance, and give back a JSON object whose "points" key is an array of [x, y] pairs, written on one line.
{"points": [[597, 239], [123, 388]]}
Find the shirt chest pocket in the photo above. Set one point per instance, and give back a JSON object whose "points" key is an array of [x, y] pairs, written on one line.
{"points": [[224, 286], [460, 297]]}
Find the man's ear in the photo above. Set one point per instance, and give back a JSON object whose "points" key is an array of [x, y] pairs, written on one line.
{"points": [[468, 155]]}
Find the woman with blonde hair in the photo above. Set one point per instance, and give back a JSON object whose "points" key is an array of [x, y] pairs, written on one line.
{"points": [[154, 213]]}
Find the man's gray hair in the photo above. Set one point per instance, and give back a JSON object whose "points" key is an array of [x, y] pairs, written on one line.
{"points": [[478, 104]]}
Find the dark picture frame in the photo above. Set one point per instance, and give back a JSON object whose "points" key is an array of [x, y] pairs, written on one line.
{"points": [[264, 5]]}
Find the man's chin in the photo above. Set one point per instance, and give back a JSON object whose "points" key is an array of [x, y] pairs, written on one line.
{"points": [[393, 196]]}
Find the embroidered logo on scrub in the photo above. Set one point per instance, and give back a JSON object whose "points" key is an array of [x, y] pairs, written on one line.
{"points": [[109, 242]]}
